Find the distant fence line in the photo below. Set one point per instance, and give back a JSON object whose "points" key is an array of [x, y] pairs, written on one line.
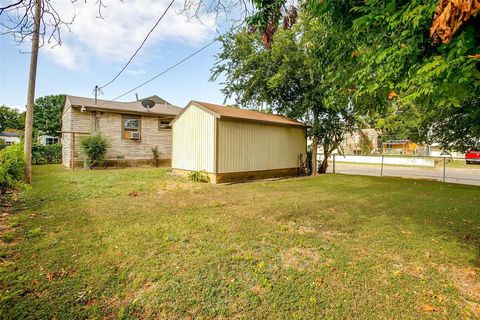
{"points": [[441, 168]]}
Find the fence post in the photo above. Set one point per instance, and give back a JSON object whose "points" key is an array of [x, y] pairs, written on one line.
{"points": [[333, 163], [444, 162], [381, 170]]}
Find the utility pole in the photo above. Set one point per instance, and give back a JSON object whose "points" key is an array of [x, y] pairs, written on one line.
{"points": [[96, 93], [31, 93]]}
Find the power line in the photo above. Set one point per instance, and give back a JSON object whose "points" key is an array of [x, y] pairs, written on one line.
{"points": [[162, 73], [140, 47]]}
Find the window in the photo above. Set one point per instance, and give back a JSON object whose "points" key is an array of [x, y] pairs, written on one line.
{"points": [[51, 140], [164, 124], [131, 126]]}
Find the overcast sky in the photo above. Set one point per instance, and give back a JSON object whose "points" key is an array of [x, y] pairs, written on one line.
{"points": [[95, 50]]}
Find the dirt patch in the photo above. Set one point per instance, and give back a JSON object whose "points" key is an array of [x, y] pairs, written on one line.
{"points": [[467, 281], [302, 258], [173, 186]]}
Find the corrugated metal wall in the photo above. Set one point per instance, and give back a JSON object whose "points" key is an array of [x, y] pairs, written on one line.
{"points": [[244, 146], [193, 145]]}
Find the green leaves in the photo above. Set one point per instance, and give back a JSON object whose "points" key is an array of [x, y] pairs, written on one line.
{"points": [[47, 117]]}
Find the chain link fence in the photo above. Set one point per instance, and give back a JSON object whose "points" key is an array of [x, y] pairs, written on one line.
{"points": [[445, 169]]}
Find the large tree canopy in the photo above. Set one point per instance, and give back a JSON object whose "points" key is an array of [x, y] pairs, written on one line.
{"points": [[11, 118], [303, 75], [48, 114], [402, 75]]}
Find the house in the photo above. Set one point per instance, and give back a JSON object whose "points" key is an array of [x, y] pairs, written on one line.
{"points": [[47, 140], [10, 137], [352, 144], [233, 144], [435, 150], [405, 147], [131, 130]]}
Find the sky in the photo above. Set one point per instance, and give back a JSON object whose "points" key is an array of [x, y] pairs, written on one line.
{"points": [[96, 49]]}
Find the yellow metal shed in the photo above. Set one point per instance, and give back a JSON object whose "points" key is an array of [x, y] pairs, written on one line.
{"points": [[236, 144]]}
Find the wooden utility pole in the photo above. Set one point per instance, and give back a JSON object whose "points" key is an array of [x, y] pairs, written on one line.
{"points": [[31, 93]]}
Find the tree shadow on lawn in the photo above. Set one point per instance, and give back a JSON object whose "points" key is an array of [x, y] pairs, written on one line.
{"points": [[426, 214]]}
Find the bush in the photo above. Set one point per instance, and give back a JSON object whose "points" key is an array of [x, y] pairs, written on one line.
{"points": [[49, 154], [12, 166], [198, 176], [95, 147]]}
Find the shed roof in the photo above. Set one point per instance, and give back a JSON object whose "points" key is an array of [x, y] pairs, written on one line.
{"points": [[128, 107], [248, 115], [9, 134]]}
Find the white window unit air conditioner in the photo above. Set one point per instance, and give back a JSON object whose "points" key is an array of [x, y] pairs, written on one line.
{"points": [[134, 135]]}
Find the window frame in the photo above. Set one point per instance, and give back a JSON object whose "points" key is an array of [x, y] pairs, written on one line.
{"points": [[124, 129], [167, 127]]}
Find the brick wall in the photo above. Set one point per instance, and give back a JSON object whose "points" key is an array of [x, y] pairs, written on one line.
{"points": [[110, 126]]}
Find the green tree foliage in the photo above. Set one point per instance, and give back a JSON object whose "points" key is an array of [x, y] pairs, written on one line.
{"points": [[457, 129], [95, 147], [47, 117], [304, 75], [366, 144], [402, 77], [11, 118]]}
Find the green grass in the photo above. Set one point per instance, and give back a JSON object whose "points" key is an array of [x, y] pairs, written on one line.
{"points": [[139, 243]]}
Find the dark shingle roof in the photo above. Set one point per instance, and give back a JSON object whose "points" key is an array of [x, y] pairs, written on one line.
{"points": [[9, 134]]}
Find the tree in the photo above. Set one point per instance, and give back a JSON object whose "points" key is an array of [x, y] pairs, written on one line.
{"points": [[48, 114], [10, 118], [456, 130], [400, 68], [41, 21], [302, 76], [365, 144]]}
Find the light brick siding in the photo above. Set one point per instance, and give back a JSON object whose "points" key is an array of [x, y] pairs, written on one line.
{"points": [[110, 126]]}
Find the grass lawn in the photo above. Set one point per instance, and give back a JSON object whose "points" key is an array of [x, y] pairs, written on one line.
{"points": [[139, 243]]}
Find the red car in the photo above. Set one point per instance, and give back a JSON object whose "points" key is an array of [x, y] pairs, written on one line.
{"points": [[472, 156]]}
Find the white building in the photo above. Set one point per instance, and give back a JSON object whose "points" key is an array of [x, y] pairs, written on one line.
{"points": [[233, 144]]}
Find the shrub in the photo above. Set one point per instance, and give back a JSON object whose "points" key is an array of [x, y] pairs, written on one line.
{"points": [[366, 146], [12, 165], [49, 154], [95, 147], [156, 155], [198, 176]]}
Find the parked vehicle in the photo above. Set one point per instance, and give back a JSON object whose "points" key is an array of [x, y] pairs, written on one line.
{"points": [[472, 156]]}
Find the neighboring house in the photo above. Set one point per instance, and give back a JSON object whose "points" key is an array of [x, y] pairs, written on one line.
{"points": [[233, 144], [403, 147], [352, 142], [10, 137], [46, 140], [131, 130], [436, 150]]}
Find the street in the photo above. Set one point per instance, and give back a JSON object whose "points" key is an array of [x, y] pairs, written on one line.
{"points": [[468, 175]]}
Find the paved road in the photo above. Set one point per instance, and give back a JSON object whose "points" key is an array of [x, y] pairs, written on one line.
{"points": [[455, 175]]}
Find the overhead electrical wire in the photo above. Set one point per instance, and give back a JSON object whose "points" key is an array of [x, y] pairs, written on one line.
{"points": [[138, 49], [161, 73]]}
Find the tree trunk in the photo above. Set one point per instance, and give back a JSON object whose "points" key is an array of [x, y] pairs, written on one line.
{"points": [[324, 165], [31, 94], [316, 124], [314, 155]]}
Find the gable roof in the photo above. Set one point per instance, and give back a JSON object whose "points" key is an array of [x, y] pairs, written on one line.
{"points": [[124, 107], [248, 115], [9, 134], [156, 99]]}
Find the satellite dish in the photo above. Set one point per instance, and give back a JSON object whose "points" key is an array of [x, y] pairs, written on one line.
{"points": [[148, 104]]}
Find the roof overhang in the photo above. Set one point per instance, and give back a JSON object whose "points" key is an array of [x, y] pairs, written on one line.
{"points": [[119, 111], [237, 119]]}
